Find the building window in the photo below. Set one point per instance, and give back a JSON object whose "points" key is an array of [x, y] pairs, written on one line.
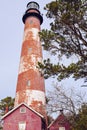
{"points": [[22, 110], [22, 126], [62, 128]]}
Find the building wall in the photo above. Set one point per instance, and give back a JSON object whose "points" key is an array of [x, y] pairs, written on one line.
{"points": [[32, 120], [60, 127], [60, 124]]}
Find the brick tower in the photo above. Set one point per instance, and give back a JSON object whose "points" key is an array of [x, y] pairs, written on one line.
{"points": [[30, 85]]}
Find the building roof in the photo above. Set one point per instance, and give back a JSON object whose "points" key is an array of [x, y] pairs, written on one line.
{"points": [[20, 106], [60, 119]]}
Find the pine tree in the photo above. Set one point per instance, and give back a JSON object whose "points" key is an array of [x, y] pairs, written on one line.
{"points": [[67, 37]]}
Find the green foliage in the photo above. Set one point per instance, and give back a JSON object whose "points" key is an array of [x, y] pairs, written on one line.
{"points": [[49, 119], [6, 102], [77, 69], [79, 121], [1, 128], [67, 37]]}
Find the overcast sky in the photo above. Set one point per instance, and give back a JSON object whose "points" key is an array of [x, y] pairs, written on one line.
{"points": [[11, 35]]}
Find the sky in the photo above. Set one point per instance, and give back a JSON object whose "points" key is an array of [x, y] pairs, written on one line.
{"points": [[11, 35]]}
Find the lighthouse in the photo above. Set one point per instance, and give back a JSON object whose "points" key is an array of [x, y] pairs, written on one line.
{"points": [[30, 85], [29, 112]]}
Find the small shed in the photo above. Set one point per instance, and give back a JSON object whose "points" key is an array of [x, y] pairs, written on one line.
{"points": [[23, 118], [61, 123]]}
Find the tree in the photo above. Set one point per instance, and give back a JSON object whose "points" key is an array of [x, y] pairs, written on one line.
{"points": [[6, 104], [62, 99], [79, 122], [73, 104], [67, 37]]}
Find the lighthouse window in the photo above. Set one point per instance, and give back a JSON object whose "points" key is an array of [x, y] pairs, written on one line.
{"points": [[28, 83], [31, 22], [29, 50], [33, 5]]}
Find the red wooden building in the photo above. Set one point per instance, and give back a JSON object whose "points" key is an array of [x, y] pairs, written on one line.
{"points": [[23, 117], [61, 123]]}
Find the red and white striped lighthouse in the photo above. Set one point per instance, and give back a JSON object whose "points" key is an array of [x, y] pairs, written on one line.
{"points": [[30, 85]]}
